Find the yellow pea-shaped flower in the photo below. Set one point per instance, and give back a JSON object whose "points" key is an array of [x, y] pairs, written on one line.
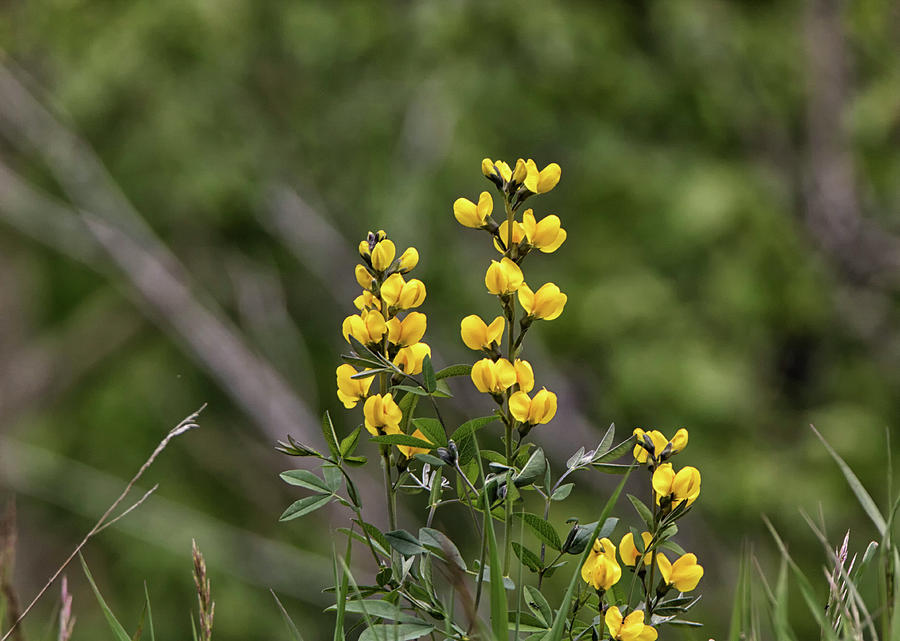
{"points": [[505, 171], [383, 255], [349, 390], [364, 277], [546, 303], [408, 331], [382, 414], [547, 235], [629, 552], [631, 628], [487, 167], [367, 327], [410, 451], [410, 359], [408, 260], [683, 486], [534, 411], [477, 335], [367, 300], [492, 377], [520, 172], [398, 293], [660, 443], [600, 569], [473, 215], [684, 574], [503, 235], [524, 375], [540, 182], [504, 277]]}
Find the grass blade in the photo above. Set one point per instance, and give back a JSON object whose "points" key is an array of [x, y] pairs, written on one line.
{"points": [[499, 610], [115, 626], [149, 612], [292, 629]]}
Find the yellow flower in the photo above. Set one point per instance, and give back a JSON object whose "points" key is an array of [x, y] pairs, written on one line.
{"points": [[631, 628], [504, 277], [629, 552], [678, 443], [546, 235], [365, 246], [524, 375], [540, 182], [520, 172], [683, 486], [383, 255], [364, 277], [477, 335], [367, 300], [409, 359], [487, 167], [505, 171], [538, 410], [408, 331], [410, 451], [684, 574], [503, 235], [368, 327], [350, 391], [492, 377], [600, 568], [471, 215], [382, 414], [547, 302], [396, 292], [408, 260]]}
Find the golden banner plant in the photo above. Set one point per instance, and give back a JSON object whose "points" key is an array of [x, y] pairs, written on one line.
{"points": [[427, 583]]}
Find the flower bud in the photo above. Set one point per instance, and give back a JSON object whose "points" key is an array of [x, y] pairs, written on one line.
{"points": [[520, 172]]}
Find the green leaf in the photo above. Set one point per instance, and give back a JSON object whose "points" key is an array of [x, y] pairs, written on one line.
{"points": [[538, 605], [865, 500], [402, 439], [472, 426], [432, 429], [499, 609], [433, 461], [617, 452], [607, 440], [613, 468], [306, 480], [437, 540], [428, 374], [418, 391], [559, 623], [454, 370], [333, 476], [377, 608], [533, 470], [305, 506], [562, 492], [149, 612], [642, 510], [330, 436], [292, 629], [375, 534], [349, 442], [584, 534], [114, 625], [528, 558], [392, 632], [544, 531], [404, 542]]}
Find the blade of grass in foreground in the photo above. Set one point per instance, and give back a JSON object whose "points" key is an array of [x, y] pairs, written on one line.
{"points": [[559, 624], [111, 619], [149, 612], [739, 611], [499, 610], [292, 628]]}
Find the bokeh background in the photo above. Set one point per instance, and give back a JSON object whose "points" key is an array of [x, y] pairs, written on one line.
{"points": [[182, 184]]}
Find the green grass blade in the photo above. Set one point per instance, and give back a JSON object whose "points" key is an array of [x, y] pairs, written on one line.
{"points": [[149, 612], [865, 500], [559, 624], [292, 628], [739, 608], [114, 625], [499, 608]]}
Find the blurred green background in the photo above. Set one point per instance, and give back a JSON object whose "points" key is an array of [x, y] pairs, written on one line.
{"points": [[729, 187]]}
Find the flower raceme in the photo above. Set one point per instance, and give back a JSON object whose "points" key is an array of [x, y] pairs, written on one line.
{"points": [[504, 277], [533, 411], [382, 415], [493, 377], [631, 628], [662, 447], [683, 486], [629, 552], [600, 569], [478, 335], [546, 303], [471, 214], [684, 574], [349, 390]]}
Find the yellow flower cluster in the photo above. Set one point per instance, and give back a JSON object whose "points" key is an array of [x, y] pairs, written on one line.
{"points": [[508, 379], [384, 324], [630, 628]]}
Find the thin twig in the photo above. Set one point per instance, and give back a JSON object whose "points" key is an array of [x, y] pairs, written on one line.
{"points": [[185, 425]]}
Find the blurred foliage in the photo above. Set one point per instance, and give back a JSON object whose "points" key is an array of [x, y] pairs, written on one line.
{"points": [[697, 295]]}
